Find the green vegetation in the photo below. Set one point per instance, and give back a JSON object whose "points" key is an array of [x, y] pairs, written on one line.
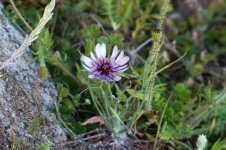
{"points": [[173, 90]]}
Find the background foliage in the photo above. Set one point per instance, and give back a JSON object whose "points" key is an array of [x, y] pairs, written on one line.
{"points": [[192, 90]]}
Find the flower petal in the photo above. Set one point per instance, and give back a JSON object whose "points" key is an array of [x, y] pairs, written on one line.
{"points": [[115, 52], [87, 68], [122, 70], [103, 50], [117, 78], [87, 61], [91, 76], [98, 50], [123, 61], [120, 67], [120, 56], [92, 56]]}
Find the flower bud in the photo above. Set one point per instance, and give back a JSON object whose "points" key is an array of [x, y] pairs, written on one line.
{"points": [[157, 34], [201, 142]]}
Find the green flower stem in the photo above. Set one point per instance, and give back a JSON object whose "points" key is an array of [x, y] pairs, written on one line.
{"points": [[112, 118], [105, 97], [96, 103]]}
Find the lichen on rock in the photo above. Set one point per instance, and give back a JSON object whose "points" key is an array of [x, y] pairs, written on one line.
{"points": [[24, 96]]}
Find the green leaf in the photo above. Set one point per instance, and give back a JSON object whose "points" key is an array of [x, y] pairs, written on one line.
{"points": [[118, 12], [150, 137], [44, 146], [43, 72], [219, 145], [103, 39], [81, 6], [170, 133], [64, 92], [183, 92], [136, 94], [116, 39], [67, 106], [173, 132], [90, 44], [120, 95], [91, 32], [197, 69], [59, 56], [34, 126]]}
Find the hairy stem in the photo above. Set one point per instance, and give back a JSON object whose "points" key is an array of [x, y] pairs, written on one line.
{"points": [[151, 80], [153, 59]]}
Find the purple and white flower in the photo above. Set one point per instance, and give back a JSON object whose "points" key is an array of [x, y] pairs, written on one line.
{"points": [[103, 68]]}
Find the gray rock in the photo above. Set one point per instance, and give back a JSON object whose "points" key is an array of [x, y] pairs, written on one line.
{"points": [[24, 96]]}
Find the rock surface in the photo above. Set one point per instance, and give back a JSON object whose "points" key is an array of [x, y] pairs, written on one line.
{"points": [[24, 97]]}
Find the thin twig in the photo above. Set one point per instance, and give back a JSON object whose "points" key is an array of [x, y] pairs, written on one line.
{"points": [[85, 139], [168, 65], [183, 144], [20, 16], [99, 24], [142, 45]]}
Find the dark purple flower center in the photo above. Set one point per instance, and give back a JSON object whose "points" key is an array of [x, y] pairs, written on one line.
{"points": [[104, 68]]}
